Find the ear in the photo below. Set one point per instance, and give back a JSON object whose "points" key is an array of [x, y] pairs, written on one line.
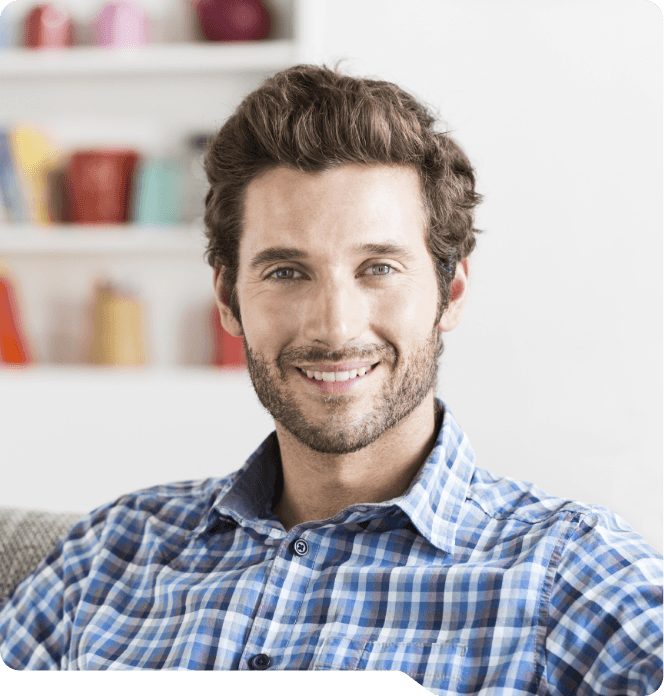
{"points": [[228, 321], [458, 293]]}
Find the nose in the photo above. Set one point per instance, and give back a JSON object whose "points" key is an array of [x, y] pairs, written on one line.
{"points": [[335, 312]]}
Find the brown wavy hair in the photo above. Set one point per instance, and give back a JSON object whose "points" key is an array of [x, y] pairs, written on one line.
{"points": [[313, 118]]}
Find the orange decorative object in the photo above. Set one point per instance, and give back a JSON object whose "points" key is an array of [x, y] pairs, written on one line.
{"points": [[228, 351], [117, 328], [13, 346], [48, 26], [99, 184]]}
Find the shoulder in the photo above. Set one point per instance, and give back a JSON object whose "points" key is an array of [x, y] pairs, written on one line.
{"points": [[600, 584], [503, 498], [177, 506], [135, 528], [580, 529], [168, 498]]}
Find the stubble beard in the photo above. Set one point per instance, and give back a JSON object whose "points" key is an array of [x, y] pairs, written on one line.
{"points": [[403, 387]]}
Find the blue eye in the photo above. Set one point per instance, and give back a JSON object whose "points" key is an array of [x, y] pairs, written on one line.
{"points": [[272, 277]]}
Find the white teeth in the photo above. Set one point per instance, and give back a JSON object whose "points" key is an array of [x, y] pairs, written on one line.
{"points": [[337, 376]]}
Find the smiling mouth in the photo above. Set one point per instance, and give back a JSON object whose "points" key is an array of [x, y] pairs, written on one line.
{"points": [[337, 376]]}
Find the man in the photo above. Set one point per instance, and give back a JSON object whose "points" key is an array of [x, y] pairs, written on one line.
{"points": [[360, 534]]}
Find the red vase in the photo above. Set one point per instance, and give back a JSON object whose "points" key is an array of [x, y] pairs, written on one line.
{"points": [[233, 20], [48, 26], [99, 185], [228, 351]]}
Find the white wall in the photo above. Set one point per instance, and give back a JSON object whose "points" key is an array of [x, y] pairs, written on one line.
{"points": [[74, 439], [555, 372]]}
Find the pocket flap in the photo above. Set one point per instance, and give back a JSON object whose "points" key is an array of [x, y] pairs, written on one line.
{"points": [[433, 665]]}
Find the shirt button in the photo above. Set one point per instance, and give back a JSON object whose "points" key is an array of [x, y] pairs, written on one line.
{"points": [[300, 547], [260, 661]]}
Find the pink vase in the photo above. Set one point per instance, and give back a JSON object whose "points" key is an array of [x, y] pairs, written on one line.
{"points": [[121, 24]]}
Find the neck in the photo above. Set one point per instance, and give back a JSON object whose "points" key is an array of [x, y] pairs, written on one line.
{"points": [[317, 486]]}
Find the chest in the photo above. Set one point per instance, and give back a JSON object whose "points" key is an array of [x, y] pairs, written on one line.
{"points": [[390, 603]]}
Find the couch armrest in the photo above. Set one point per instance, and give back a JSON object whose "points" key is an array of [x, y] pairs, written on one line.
{"points": [[27, 536]]}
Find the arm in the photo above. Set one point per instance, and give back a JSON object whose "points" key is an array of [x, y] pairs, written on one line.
{"points": [[35, 621], [605, 612]]}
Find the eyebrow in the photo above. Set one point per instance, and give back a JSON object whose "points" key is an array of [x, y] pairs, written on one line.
{"points": [[283, 253]]}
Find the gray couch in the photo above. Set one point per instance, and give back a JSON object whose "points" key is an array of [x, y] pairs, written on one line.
{"points": [[26, 536]]}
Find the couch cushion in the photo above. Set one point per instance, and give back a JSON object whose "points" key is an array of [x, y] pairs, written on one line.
{"points": [[26, 536]]}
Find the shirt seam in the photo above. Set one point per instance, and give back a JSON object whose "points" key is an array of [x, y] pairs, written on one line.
{"points": [[570, 507], [540, 659], [170, 491]]}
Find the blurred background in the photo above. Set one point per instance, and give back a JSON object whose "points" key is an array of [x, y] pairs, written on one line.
{"points": [[114, 372]]}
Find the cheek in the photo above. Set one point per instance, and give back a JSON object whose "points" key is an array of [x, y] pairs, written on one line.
{"points": [[403, 323], [267, 326], [409, 310], [399, 321]]}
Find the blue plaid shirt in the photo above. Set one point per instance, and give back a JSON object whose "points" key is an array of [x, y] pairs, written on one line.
{"points": [[468, 582]]}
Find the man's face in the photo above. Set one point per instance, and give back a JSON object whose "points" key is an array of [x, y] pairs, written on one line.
{"points": [[336, 303]]}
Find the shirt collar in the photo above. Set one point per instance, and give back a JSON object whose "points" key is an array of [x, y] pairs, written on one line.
{"points": [[432, 502], [434, 498]]}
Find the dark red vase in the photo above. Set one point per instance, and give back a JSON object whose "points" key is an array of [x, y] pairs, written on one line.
{"points": [[99, 185], [233, 20], [48, 26]]}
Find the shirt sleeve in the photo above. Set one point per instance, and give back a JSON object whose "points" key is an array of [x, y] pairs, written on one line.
{"points": [[605, 612], [36, 620]]}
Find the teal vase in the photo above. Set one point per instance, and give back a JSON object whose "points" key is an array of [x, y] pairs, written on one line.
{"points": [[159, 192]]}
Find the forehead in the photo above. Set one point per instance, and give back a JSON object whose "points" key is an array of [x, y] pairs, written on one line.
{"points": [[340, 206]]}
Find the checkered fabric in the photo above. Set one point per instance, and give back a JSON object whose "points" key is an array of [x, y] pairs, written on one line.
{"points": [[469, 583], [26, 536]]}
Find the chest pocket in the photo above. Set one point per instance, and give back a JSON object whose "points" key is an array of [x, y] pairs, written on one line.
{"points": [[435, 666]]}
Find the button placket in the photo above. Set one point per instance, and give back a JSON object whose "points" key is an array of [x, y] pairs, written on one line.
{"points": [[284, 591]]}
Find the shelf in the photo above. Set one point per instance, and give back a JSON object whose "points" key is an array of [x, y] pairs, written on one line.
{"points": [[165, 59], [41, 374], [103, 239]]}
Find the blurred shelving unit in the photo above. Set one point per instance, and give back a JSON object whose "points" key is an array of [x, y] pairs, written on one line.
{"points": [[142, 97], [164, 59], [101, 239]]}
